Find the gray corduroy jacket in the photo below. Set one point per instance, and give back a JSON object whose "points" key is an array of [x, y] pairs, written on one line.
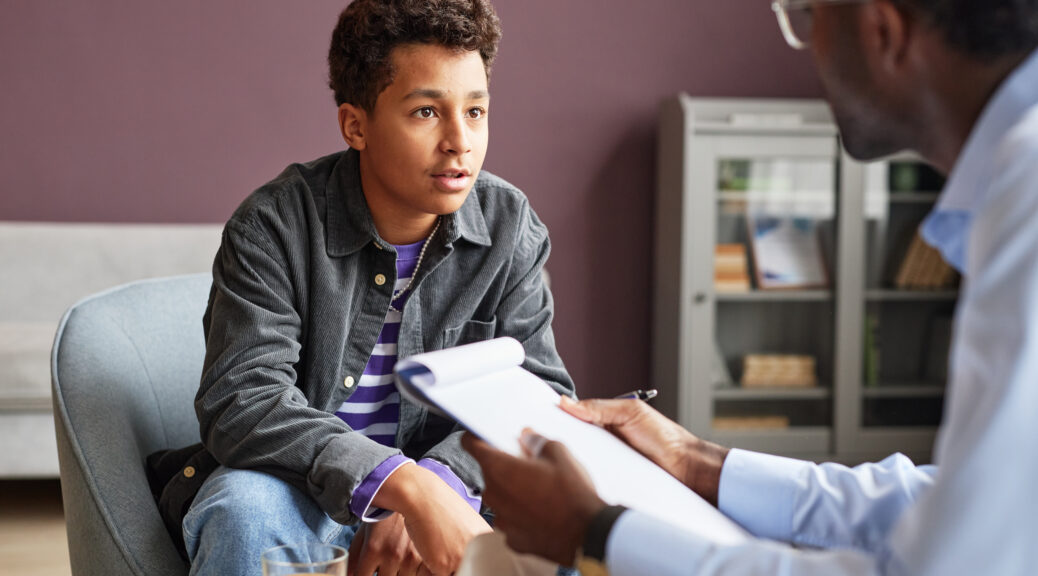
{"points": [[295, 310]]}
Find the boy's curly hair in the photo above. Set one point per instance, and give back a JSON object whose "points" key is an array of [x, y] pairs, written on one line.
{"points": [[368, 30]]}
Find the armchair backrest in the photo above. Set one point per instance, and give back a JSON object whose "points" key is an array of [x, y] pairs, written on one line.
{"points": [[125, 369]]}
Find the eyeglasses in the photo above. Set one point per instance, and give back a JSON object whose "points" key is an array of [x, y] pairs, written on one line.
{"points": [[796, 18]]}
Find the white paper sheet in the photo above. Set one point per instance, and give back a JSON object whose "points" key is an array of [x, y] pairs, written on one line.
{"points": [[497, 406]]}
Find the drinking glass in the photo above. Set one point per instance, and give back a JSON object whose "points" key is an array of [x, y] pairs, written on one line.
{"points": [[299, 559]]}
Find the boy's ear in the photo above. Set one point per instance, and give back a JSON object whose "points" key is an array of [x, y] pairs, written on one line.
{"points": [[352, 123]]}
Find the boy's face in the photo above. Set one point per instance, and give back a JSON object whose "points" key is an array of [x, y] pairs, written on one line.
{"points": [[423, 145]]}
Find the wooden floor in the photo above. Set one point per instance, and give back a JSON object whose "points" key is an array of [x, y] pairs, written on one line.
{"points": [[32, 529]]}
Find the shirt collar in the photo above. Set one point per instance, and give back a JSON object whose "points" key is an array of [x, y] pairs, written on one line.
{"points": [[350, 226], [947, 227]]}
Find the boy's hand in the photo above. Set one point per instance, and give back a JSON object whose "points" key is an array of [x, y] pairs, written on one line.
{"points": [[439, 522], [383, 547], [695, 462]]}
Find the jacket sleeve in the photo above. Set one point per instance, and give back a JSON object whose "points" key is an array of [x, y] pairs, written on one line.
{"points": [[250, 412], [524, 313]]}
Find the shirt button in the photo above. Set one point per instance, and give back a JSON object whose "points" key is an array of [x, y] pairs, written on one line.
{"points": [[380, 279], [189, 472], [348, 382]]}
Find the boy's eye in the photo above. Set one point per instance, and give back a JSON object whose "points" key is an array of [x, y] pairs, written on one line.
{"points": [[424, 112], [477, 113]]}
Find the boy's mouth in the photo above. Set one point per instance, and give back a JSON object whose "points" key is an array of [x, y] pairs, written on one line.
{"points": [[452, 173], [452, 179]]}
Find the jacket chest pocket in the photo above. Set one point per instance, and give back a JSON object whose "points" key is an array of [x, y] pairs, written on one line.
{"points": [[469, 332]]}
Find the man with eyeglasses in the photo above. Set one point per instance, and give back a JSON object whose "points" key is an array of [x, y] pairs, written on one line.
{"points": [[956, 81]]}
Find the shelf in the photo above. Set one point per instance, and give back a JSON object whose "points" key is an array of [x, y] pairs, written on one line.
{"points": [[914, 197], [816, 393], [808, 128], [823, 197], [775, 296], [794, 440], [903, 391], [890, 295]]}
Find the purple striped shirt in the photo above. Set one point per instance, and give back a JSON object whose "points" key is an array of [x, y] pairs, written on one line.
{"points": [[374, 407]]}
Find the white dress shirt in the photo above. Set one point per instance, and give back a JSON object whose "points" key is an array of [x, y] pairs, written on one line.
{"points": [[977, 511]]}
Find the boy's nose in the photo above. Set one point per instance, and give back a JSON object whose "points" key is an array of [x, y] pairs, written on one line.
{"points": [[456, 139]]}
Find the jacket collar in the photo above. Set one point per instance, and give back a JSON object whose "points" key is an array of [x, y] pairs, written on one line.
{"points": [[350, 226]]}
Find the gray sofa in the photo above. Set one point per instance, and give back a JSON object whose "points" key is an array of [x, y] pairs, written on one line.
{"points": [[125, 367], [44, 269]]}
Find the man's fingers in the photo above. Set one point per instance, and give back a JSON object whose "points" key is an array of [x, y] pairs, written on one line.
{"points": [[577, 409], [603, 412], [490, 459], [532, 442], [538, 446], [475, 446], [555, 452]]}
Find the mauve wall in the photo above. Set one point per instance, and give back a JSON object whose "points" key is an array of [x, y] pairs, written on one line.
{"points": [[130, 111]]}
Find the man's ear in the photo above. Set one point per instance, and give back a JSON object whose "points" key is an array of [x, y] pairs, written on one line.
{"points": [[887, 32], [352, 123]]}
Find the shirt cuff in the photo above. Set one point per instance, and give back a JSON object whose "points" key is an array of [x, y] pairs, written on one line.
{"points": [[472, 497], [643, 544], [759, 490], [360, 503]]}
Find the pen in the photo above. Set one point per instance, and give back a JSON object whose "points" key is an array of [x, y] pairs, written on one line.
{"points": [[644, 395]]}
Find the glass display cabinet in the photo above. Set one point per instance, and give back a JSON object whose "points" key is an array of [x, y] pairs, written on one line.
{"points": [[794, 311]]}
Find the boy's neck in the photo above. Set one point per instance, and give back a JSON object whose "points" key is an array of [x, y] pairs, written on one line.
{"points": [[400, 231], [394, 223]]}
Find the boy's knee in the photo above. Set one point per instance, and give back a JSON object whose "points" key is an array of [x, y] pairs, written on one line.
{"points": [[233, 502], [255, 510]]}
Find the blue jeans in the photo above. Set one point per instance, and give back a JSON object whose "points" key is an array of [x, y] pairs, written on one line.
{"points": [[238, 514]]}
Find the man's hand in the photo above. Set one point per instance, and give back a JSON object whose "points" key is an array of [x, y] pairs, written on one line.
{"points": [[438, 521], [693, 461], [543, 503], [383, 547]]}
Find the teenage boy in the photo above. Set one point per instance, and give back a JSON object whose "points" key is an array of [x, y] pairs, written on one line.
{"points": [[336, 268]]}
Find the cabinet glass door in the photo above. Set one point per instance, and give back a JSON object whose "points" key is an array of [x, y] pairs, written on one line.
{"points": [[910, 300], [774, 242]]}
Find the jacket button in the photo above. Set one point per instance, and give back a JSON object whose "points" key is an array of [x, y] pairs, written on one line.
{"points": [[189, 472], [348, 382], [380, 279]]}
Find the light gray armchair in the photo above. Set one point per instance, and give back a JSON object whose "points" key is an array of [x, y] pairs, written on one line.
{"points": [[125, 368]]}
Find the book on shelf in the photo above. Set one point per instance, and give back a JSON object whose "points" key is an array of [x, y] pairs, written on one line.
{"points": [[787, 252], [923, 268], [778, 371], [750, 422], [731, 268], [484, 388]]}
